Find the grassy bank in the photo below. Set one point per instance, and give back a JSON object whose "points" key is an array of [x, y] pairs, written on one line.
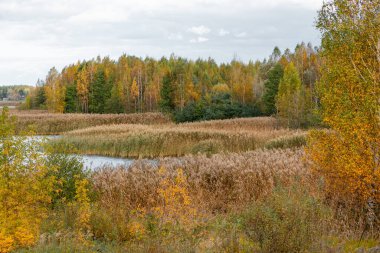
{"points": [[151, 141], [51, 124]]}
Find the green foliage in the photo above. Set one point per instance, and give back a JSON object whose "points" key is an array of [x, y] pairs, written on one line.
{"points": [[98, 93], [295, 141], [40, 98], [291, 220], [71, 99], [68, 170], [167, 95], [220, 106], [114, 103], [292, 100], [271, 88]]}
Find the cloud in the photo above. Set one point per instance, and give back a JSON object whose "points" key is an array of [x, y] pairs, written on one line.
{"points": [[223, 32], [199, 40], [39, 34], [241, 35], [199, 30]]}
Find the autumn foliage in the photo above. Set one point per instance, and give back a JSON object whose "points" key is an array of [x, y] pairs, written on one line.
{"points": [[24, 188], [348, 154]]}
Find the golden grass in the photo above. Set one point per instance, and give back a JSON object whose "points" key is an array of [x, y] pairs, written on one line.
{"points": [[150, 141], [51, 124], [218, 183]]}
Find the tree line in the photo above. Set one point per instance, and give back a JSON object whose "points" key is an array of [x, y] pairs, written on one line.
{"points": [[283, 84]]}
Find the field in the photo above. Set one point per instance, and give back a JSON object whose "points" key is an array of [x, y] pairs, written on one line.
{"points": [[151, 141]]}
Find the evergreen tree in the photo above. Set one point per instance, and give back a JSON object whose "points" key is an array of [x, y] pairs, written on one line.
{"points": [[271, 88], [71, 99], [167, 95], [98, 93], [40, 98]]}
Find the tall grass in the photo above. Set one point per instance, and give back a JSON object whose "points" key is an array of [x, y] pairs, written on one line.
{"points": [[218, 183], [150, 141], [51, 124], [262, 201]]}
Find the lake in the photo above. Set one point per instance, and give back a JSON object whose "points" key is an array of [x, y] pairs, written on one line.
{"points": [[93, 161]]}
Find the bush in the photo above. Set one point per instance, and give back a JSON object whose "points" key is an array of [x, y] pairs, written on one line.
{"points": [[291, 220], [68, 169]]}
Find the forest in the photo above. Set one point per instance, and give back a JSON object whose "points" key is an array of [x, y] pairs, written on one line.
{"points": [[190, 90]]}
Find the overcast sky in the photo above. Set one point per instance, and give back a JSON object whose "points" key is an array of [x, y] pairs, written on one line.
{"points": [[39, 34]]}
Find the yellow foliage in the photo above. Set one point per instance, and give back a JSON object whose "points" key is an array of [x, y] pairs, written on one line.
{"points": [[348, 155], [6, 243], [83, 202], [24, 188], [176, 203], [136, 230], [24, 237], [134, 90]]}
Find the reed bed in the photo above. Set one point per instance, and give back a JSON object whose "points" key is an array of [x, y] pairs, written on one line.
{"points": [[151, 141], [219, 183], [261, 201], [52, 124], [245, 124]]}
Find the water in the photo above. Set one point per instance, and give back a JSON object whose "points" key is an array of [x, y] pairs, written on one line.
{"points": [[93, 162], [9, 107]]}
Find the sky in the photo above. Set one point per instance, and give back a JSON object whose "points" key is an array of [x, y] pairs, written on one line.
{"points": [[39, 34]]}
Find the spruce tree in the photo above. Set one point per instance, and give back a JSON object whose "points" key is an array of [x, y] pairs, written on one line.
{"points": [[271, 88], [98, 93], [167, 95]]}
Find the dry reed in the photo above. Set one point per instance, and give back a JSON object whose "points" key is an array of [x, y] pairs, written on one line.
{"points": [[150, 141], [217, 184], [47, 123]]}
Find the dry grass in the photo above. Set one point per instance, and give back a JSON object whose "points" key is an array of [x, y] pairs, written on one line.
{"points": [[51, 124], [240, 124], [10, 103], [151, 141], [218, 183]]}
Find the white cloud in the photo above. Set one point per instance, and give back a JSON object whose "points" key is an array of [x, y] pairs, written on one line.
{"points": [[200, 30], [241, 35], [223, 32], [199, 40]]}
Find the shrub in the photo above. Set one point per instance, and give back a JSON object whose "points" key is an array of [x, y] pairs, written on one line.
{"points": [[290, 220]]}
